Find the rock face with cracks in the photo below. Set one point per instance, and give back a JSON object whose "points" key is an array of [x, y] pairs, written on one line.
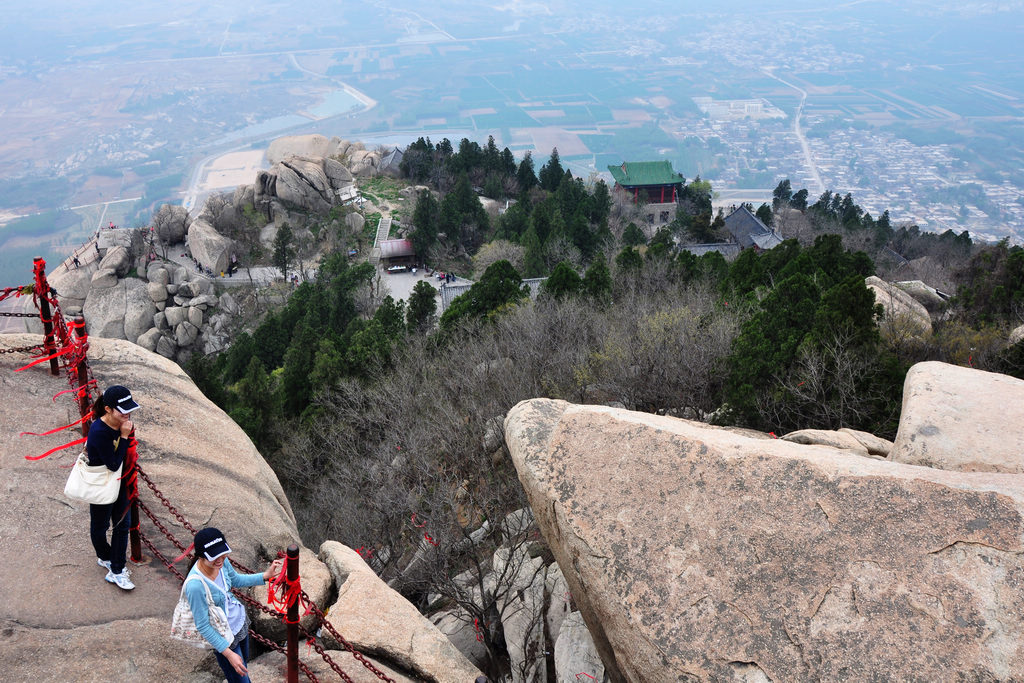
{"points": [[701, 554]]}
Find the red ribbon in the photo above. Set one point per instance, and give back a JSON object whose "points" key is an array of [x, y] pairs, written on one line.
{"points": [[58, 448], [66, 349], [291, 593], [57, 429]]}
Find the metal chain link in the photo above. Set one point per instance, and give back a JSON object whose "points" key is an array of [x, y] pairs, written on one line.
{"points": [[5, 314], [167, 504], [302, 665], [23, 349]]}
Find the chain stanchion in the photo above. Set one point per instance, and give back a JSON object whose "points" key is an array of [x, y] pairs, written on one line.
{"points": [[292, 572]]}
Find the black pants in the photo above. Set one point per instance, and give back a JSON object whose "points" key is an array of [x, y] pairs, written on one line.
{"points": [[100, 519]]}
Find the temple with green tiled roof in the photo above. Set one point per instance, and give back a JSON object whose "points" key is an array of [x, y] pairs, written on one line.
{"points": [[650, 182]]}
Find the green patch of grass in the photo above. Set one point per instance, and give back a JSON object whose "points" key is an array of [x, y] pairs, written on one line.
{"points": [[388, 189]]}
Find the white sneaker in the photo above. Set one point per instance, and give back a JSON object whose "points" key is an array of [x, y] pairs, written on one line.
{"points": [[121, 579], [103, 563]]}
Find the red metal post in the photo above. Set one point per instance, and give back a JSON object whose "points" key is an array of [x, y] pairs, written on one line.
{"points": [[292, 567], [44, 313], [84, 402]]}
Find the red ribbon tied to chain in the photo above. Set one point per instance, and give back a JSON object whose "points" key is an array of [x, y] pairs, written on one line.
{"points": [[282, 594]]}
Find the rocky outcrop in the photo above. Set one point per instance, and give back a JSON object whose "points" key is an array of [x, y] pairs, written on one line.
{"points": [[957, 418], [211, 249], [696, 553], [1016, 335], [411, 641], [154, 313], [904, 315], [305, 146], [929, 297]]}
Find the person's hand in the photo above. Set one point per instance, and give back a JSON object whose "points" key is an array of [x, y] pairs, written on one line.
{"points": [[273, 570], [235, 660], [126, 427]]}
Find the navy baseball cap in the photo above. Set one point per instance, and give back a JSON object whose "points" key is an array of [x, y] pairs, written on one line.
{"points": [[120, 398], [210, 543]]}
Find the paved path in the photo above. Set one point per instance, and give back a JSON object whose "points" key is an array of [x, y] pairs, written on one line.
{"points": [[261, 275]]}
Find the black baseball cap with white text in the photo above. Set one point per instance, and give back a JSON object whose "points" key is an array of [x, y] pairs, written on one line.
{"points": [[210, 543], [118, 397]]}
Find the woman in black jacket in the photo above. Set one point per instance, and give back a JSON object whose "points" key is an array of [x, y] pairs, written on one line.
{"points": [[107, 444]]}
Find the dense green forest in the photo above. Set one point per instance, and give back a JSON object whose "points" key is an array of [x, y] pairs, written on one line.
{"points": [[372, 410]]}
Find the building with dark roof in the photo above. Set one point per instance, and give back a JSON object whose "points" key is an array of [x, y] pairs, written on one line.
{"points": [[749, 232]]}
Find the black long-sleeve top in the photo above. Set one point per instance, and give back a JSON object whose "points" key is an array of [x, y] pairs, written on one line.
{"points": [[100, 446]]}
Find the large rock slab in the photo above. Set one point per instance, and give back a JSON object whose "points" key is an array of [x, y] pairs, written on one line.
{"points": [[957, 418], [105, 309], [60, 620], [697, 553], [139, 309], [117, 259], [904, 315], [411, 642], [208, 246]]}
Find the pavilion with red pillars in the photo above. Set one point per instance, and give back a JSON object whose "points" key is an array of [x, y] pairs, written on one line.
{"points": [[649, 182]]}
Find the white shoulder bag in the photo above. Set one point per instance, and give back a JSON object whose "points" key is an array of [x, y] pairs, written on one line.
{"points": [[183, 625], [95, 484]]}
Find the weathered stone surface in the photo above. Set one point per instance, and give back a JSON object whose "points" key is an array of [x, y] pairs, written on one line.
{"points": [[559, 599], [925, 295], [138, 309], [958, 418], [1017, 335], [203, 300], [158, 275], [60, 620], [575, 652], [185, 334], [160, 305], [195, 316], [875, 445], [303, 184], [691, 549], [117, 259], [179, 276], [457, 625], [149, 339], [175, 315], [355, 221], [228, 303], [522, 612], [157, 292], [314, 145], [337, 174], [72, 286], [166, 347], [411, 641], [208, 246], [103, 279], [104, 311], [825, 437], [903, 314]]}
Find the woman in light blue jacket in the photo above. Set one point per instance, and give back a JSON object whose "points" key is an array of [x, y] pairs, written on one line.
{"points": [[213, 567]]}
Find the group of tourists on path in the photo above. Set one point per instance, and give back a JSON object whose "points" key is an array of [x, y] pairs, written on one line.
{"points": [[210, 572]]}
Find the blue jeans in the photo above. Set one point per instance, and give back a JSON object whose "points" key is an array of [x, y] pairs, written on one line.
{"points": [[100, 519], [241, 649]]}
